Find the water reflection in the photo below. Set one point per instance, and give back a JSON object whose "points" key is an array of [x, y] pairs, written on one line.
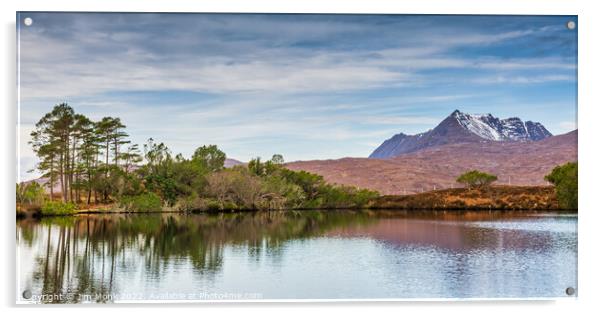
{"points": [[305, 254]]}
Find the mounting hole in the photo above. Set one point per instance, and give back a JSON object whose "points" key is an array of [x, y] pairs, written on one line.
{"points": [[570, 291], [28, 21], [571, 25], [26, 294]]}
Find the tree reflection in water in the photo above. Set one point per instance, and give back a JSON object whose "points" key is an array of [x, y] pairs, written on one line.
{"points": [[82, 253], [370, 253]]}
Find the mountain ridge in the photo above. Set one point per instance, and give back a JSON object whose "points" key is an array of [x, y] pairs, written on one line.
{"points": [[460, 127]]}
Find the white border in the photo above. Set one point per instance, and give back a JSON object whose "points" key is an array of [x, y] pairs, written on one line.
{"points": [[589, 143]]}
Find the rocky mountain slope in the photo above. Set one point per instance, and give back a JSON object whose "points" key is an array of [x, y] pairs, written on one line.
{"points": [[460, 127]]}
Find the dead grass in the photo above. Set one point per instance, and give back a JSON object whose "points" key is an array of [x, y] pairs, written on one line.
{"points": [[494, 197]]}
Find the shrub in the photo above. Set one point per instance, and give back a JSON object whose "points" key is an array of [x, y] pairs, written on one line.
{"points": [[58, 208], [564, 179], [165, 186], [30, 193], [238, 186], [191, 203], [364, 196], [146, 202], [476, 178], [213, 205]]}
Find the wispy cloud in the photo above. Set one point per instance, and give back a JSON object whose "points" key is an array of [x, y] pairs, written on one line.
{"points": [[307, 86]]}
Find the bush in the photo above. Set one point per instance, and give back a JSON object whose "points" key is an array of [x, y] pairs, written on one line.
{"points": [[191, 203], [476, 178], [362, 197], [213, 205], [146, 202], [58, 208], [30, 193], [564, 179]]}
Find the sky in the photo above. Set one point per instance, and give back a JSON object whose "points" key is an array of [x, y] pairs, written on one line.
{"points": [[304, 86]]}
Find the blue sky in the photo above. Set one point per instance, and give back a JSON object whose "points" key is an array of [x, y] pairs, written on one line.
{"points": [[305, 86]]}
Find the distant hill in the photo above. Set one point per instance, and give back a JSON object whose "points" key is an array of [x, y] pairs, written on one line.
{"points": [[229, 163], [436, 167], [460, 127]]}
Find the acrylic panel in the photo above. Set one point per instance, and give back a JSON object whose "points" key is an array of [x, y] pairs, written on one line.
{"points": [[194, 157]]}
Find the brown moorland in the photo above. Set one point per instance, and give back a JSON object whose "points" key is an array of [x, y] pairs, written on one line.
{"points": [[486, 198], [434, 168]]}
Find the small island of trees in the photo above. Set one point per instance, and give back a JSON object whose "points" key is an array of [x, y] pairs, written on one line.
{"points": [[94, 163]]}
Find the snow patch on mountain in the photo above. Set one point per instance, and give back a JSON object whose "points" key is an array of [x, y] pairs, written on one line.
{"points": [[479, 124], [463, 128], [490, 127]]}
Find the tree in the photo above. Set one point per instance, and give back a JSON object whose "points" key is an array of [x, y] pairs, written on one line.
{"points": [[159, 171], [564, 179], [267, 168], [30, 193], [256, 167], [130, 157], [51, 142], [237, 186], [209, 157], [110, 131], [156, 155], [48, 164], [69, 146], [277, 159], [88, 154], [475, 178]]}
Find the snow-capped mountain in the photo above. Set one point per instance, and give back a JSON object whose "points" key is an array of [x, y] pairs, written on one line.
{"points": [[460, 127], [490, 127]]}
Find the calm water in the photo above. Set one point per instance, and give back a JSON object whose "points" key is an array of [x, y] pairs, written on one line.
{"points": [[296, 255]]}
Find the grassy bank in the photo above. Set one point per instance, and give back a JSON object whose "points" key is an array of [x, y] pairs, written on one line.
{"points": [[486, 198]]}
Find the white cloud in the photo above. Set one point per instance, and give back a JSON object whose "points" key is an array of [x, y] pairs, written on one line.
{"points": [[92, 62], [518, 79], [269, 83]]}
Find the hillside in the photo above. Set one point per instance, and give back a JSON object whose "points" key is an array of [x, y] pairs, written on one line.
{"points": [[515, 163]]}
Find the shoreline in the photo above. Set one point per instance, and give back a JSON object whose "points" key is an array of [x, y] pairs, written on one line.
{"points": [[388, 209], [492, 198]]}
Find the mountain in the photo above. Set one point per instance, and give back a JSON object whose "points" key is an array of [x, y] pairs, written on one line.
{"points": [[229, 163], [460, 127], [514, 162]]}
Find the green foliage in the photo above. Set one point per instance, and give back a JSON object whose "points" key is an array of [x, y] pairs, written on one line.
{"points": [[189, 177], [30, 193], [164, 186], [345, 196], [309, 182], [190, 203], [94, 160], [58, 208], [209, 158], [277, 159], [475, 178], [564, 179], [146, 202], [278, 193], [82, 156]]}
